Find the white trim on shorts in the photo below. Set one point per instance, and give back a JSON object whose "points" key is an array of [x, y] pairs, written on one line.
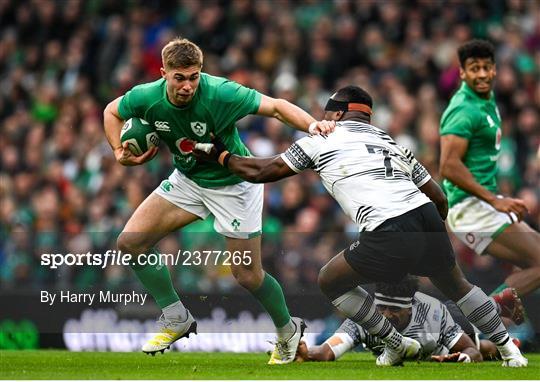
{"points": [[476, 223]]}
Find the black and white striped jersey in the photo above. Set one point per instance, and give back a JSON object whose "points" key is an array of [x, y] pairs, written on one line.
{"points": [[431, 324], [370, 175]]}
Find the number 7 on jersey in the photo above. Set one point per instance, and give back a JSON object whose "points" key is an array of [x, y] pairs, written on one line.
{"points": [[375, 149]]}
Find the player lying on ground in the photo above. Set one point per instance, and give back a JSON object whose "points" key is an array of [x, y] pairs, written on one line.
{"points": [[415, 315], [187, 106], [470, 146], [376, 182]]}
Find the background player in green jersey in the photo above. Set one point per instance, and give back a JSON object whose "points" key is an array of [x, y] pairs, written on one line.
{"points": [[470, 142], [187, 106]]}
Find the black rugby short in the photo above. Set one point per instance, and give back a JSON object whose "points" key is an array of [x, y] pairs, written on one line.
{"points": [[413, 243]]}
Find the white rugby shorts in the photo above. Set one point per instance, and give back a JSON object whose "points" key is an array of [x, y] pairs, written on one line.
{"points": [[237, 208], [477, 223]]}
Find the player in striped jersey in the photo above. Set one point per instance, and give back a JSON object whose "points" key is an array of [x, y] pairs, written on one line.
{"points": [[377, 182], [413, 314]]}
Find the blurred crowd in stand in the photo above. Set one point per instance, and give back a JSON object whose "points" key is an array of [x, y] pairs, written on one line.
{"points": [[62, 61]]}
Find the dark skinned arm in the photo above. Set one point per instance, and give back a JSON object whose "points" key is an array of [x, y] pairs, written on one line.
{"points": [[254, 170], [321, 353], [437, 196], [259, 170], [453, 150], [293, 115], [464, 346]]}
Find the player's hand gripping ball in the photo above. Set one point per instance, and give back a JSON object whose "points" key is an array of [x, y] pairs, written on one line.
{"points": [[140, 136]]}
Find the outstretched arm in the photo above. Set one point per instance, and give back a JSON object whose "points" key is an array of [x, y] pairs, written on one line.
{"points": [[252, 169], [259, 170], [463, 351], [322, 353], [293, 116], [465, 345]]}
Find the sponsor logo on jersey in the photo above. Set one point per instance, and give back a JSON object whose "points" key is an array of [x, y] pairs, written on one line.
{"points": [[162, 126], [236, 225], [198, 128], [184, 162], [185, 145]]}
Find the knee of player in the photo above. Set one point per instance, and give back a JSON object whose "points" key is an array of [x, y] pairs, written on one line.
{"points": [[533, 261], [128, 242], [122, 242], [324, 281], [248, 278]]}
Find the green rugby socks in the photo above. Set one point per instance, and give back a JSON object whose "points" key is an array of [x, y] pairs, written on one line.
{"points": [[271, 297], [157, 280]]}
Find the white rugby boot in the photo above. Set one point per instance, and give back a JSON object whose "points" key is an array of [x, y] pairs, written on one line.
{"points": [[511, 355], [170, 331], [409, 349], [285, 349]]}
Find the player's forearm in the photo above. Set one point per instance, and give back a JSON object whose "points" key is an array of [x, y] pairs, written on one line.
{"points": [[432, 190], [254, 170], [473, 354], [112, 124], [455, 171], [321, 353], [292, 115]]}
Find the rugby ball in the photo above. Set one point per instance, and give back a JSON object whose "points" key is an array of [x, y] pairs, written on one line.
{"points": [[140, 136]]}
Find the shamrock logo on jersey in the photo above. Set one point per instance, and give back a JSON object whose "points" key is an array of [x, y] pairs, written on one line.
{"points": [[236, 225], [198, 128]]}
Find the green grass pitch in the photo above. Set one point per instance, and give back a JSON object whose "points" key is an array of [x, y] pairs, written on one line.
{"points": [[49, 364]]}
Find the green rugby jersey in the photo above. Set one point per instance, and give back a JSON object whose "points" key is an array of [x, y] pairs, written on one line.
{"points": [[216, 106], [477, 120]]}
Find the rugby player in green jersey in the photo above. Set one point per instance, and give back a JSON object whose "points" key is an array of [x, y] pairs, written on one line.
{"points": [[470, 142], [188, 106]]}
